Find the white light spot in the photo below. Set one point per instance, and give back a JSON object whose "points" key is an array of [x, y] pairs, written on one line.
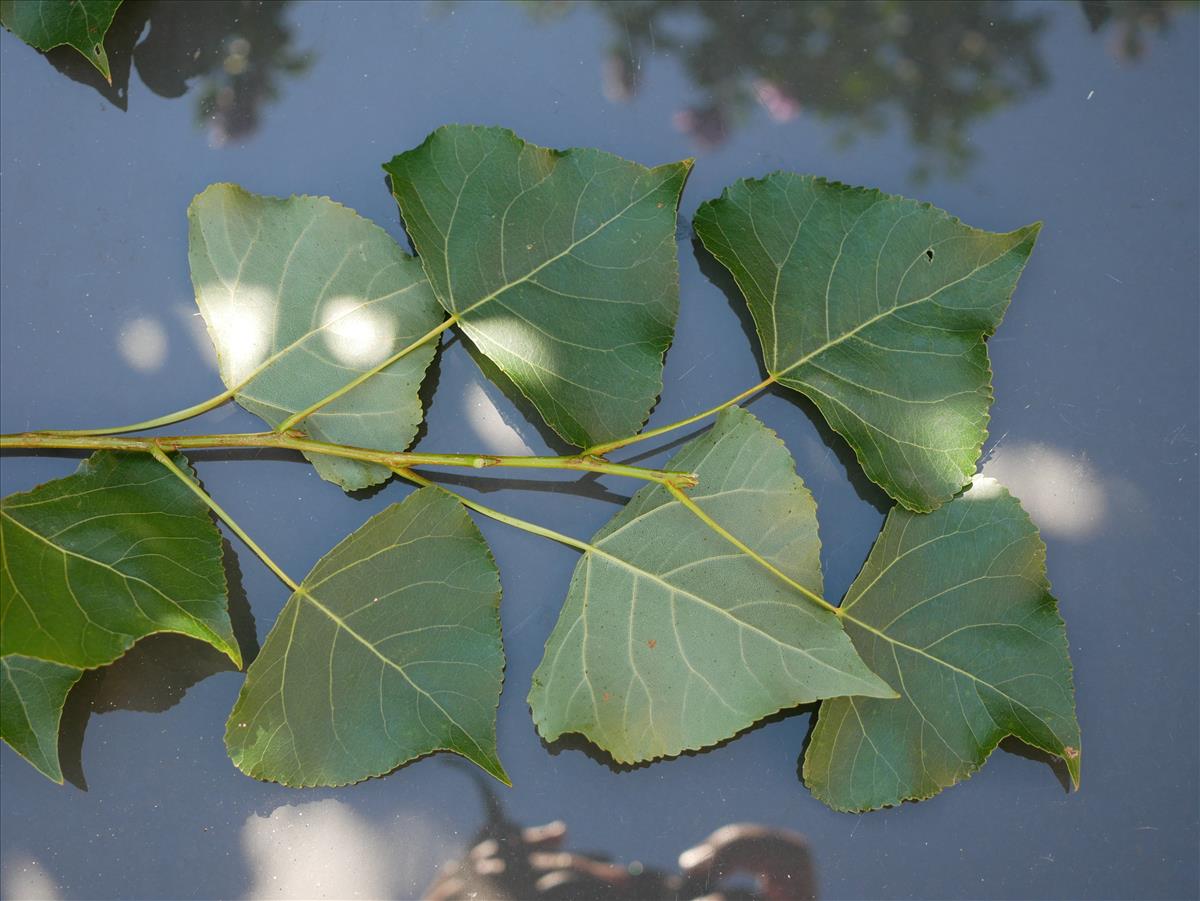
{"points": [[484, 419], [1062, 493], [143, 344], [25, 878], [355, 334]]}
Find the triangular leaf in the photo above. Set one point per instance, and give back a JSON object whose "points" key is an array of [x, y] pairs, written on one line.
{"points": [[32, 695], [875, 307], [117, 551], [954, 609], [671, 638], [92, 563], [390, 650], [301, 297], [561, 266], [45, 24]]}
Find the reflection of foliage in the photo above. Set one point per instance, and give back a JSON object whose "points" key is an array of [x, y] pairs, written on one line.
{"points": [[236, 48], [937, 66], [1131, 20]]}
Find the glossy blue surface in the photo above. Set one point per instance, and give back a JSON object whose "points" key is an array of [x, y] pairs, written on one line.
{"points": [[1002, 114]]}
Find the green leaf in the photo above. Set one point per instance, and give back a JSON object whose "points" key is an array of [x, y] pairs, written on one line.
{"points": [[560, 266], [302, 296], [389, 650], [954, 609], [92, 563], [45, 24], [672, 639], [32, 695], [875, 307], [115, 552]]}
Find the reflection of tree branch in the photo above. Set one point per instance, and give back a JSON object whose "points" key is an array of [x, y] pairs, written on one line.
{"points": [[937, 67], [237, 49], [1131, 21]]}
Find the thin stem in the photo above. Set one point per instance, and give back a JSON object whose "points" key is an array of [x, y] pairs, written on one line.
{"points": [[166, 419], [291, 421], [535, 529], [523, 524], [160, 455], [292, 441], [754, 555], [601, 449]]}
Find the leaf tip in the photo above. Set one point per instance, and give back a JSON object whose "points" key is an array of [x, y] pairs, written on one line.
{"points": [[1071, 756]]}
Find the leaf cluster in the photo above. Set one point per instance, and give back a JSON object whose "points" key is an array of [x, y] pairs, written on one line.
{"points": [[698, 609]]}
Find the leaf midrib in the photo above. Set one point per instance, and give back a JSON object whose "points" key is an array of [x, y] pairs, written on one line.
{"points": [[305, 594], [878, 317], [527, 276], [215, 639]]}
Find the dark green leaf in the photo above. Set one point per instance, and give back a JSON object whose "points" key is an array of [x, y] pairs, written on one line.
{"points": [[301, 297], [952, 608], [561, 266], [875, 307], [390, 650], [92, 563], [32, 694], [117, 551], [51, 23], [671, 638]]}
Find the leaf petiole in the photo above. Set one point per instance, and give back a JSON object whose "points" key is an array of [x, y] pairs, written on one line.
{"points": [[600, 450], [692, 506], [161, 456], [516, 522], [295, 418], [166, 419]]}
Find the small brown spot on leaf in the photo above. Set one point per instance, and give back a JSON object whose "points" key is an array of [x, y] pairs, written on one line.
{"points": [[606, 696], [1071, 753], [651, 644]]}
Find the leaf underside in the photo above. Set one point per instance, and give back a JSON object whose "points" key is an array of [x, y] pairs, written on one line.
{"points": [[561, 266], [301, 296], [32, 695], [672, 639], [954, 610], [875, 307], [92, 563], [389, 651], [45, 24]]}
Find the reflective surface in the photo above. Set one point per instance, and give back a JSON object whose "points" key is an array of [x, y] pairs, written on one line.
{"points": [[1082, 115]]}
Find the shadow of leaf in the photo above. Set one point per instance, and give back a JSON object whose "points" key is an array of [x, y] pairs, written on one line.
{"points": [[153, 675]]}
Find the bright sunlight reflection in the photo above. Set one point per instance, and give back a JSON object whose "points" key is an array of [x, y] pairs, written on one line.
{"points": [[325, 849], [243, 328], [23, 877], [484, 418], [1063, 494], [356, 336], [143, 344]]}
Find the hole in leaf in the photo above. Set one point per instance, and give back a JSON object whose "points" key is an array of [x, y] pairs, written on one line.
{"points": [[96, 49], [929, 254]]}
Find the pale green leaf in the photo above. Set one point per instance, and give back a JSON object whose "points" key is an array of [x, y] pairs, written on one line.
{"points": [[302, 296], [560, 266], [671, 638], [45, 24], [32, 694], [92, 563], [389, 650], [954, 609], [876, 308]]}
